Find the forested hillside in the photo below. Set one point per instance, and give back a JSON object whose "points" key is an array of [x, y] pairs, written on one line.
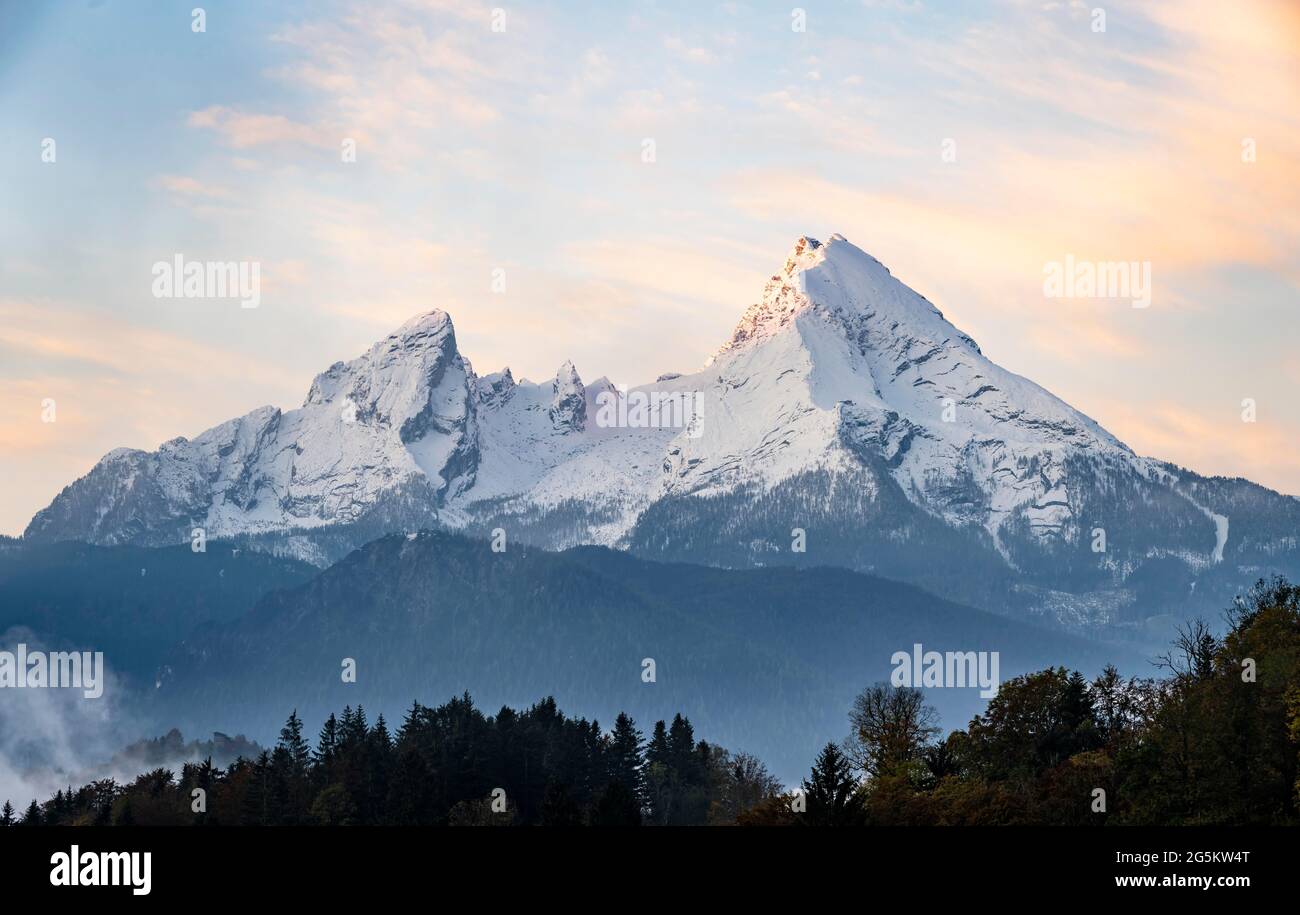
{"points": [[1214, 740]]}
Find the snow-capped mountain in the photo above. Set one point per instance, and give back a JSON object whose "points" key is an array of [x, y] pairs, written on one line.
{"points": [[401, 411], [840, 359], [844, 405]]}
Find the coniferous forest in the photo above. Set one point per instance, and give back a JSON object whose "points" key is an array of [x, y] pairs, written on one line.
{"points": [[1213, 738]]}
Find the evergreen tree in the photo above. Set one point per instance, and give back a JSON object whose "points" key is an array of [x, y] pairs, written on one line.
{"points": [[33, 815], [260, 807], [380, 770], [328, 743], [207, 776], [660, 788], [7, 814], [832, 791], [681, 748], [292, 741], [289, 778], [1077, 717], [410, 723], [56, 807], [625, 759], [595, 755], [353, 728], [352, 764], [657, 750]]}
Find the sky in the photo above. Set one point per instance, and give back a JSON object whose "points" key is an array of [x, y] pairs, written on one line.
{"points": [[503, 173]]}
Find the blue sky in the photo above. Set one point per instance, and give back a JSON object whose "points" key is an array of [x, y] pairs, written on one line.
{"points": [[521, 150]]}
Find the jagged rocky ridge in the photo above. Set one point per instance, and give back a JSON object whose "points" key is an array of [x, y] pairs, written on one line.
{"points": [[844, 405]]}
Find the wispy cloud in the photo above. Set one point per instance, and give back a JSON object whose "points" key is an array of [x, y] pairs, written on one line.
{"points": [[242, 130]]}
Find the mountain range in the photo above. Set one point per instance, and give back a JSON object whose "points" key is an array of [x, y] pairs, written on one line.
{"points": [[845, 423]]}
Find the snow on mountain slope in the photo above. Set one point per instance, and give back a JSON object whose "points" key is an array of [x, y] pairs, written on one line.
{"points": [[838, 373], [535, 455], [839, 357], [402, 410]]}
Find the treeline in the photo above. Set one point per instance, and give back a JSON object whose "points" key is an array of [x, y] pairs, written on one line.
{"points": [[449, 765], [1214, 740]]}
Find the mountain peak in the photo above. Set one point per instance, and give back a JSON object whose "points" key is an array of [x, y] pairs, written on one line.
{"points": [[393, 381], [807, 252], [568, 400], [496, 388], [787, 293], [838, 278], [431, 323]]}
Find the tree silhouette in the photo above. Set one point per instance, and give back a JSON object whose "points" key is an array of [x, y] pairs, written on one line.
{"points": [[831, 791]]}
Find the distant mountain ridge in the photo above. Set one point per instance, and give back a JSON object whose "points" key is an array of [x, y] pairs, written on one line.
{"points": [[133, 603], [764, 660], [844, 405]]}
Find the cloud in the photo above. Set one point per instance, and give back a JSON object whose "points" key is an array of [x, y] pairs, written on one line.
{"points": [[50, 737], [394, 74], [98, 342], [113, 384], [1213, 440], [186, 186], [243, 130], [691, 53], [687, 271], [1082, 342], [842, 122]]}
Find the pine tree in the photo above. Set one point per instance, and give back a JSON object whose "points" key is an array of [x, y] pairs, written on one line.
{"points": [[411, 723], [33, 815], [1076, 704], [657, 750], [260, 806], [7, 814], [290, 774], [353, 728], [56, 807], [291, 740], [660, 780], [625, 761], [380, 770], [327, 745], [831, 791], [681, 746], [596, 770]]}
